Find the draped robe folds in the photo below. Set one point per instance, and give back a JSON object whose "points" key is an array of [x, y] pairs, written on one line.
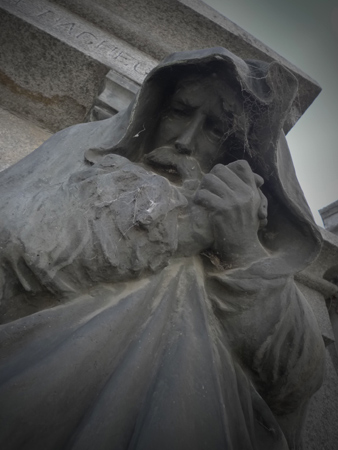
{"points": [[179, 357], [118, 332]]}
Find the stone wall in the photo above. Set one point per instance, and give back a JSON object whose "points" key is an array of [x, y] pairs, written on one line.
{"points": [[66, 62], [330, 217], [18, 138]]}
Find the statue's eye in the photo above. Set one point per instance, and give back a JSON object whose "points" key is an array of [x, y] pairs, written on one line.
{"points": [[180, 110], [215, 129]]}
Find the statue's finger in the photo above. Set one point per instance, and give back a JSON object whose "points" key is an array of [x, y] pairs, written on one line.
{"points": [[210, 201], [243, 170], [213, 184], [233, 180], [259, 180]]}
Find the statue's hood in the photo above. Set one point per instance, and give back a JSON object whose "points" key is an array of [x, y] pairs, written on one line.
{"points": [[269, 90]]}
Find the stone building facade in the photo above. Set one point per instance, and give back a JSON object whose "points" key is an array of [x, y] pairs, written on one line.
{"points": [[329, 215]]}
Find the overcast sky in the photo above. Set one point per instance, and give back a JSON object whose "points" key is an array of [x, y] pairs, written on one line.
{"points": [[305, 32]]}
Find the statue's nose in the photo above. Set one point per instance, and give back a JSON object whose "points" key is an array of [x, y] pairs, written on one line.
{"points": [[185, 142]]}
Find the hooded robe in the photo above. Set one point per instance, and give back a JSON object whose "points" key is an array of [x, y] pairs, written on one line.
{"points": [[116, 338]]}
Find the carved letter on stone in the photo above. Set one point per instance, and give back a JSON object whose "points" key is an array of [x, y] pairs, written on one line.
{"points": [[67, 27], [87, 37]]}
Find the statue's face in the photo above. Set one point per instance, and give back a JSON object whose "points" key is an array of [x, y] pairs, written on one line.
{"points": [[198, 120]]}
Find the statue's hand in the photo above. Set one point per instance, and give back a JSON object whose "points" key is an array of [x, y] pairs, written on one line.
{"points": [[237, 209]]}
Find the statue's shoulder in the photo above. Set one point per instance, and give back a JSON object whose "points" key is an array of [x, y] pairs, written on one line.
{"points": [[60, 156]]}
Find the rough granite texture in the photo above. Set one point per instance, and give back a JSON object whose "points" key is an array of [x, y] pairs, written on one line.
{"points": [[18, 138], [43, 79]]}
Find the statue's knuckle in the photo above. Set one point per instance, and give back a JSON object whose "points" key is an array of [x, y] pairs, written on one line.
{"points": [[219, 168]]}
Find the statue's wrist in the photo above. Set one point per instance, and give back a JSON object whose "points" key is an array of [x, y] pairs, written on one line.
{"points": [[239, 255]]}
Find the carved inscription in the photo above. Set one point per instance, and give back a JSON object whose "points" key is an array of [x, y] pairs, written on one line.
{"points": [[69, 27]]}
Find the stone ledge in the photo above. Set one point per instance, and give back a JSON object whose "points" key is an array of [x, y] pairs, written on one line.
{"points": [[116, 36], [329, 215], [116, 96], [161, 27], [329, 209], [42, 79], [82, 35]]}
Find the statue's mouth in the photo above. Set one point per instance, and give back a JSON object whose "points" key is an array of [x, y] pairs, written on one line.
{"points": [[175, 167], [163, 163], [167, 170]]}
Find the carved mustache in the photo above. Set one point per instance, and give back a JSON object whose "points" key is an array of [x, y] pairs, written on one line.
{"points": [[172, 163]]}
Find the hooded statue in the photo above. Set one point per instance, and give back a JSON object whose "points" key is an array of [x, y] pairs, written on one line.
{"points": [[147, 266]]}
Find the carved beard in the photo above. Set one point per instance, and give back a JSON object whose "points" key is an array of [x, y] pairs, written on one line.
{"points": [[176, 167]]}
